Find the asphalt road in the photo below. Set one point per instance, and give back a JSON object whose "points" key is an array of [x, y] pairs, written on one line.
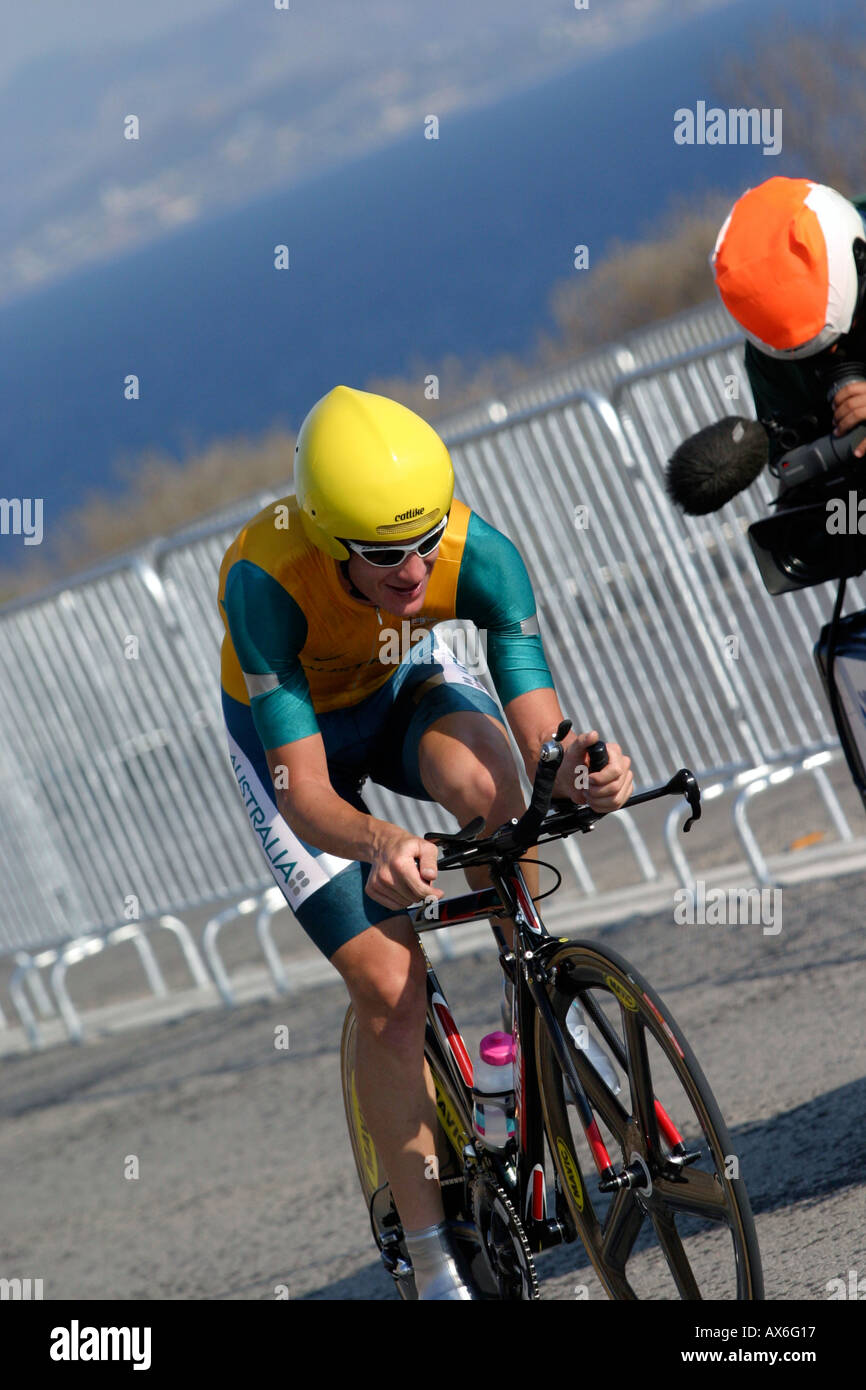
{"points": [[245, 1177]]}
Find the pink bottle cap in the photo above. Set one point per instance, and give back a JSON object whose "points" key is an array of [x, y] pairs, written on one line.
{"points": [[497, 1049]]}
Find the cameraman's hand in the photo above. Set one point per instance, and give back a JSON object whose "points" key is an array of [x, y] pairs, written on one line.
{"points": [[849, 409]]}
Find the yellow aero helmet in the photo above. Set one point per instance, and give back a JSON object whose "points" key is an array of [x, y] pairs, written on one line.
{"points": [[368, 469]]}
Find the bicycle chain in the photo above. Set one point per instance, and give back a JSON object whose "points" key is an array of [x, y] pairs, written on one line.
{"points": [[516, 1225]]}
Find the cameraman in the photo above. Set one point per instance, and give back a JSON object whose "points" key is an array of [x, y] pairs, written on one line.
{"points": [[790, 266]]}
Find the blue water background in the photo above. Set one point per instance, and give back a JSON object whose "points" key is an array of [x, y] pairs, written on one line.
{"points": [[427, 248]]}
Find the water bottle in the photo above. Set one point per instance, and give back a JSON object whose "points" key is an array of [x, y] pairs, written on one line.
{"points": [[493, 1090], [580, 1036]]}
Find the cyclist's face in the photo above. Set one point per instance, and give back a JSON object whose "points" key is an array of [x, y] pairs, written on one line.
{"points": [[401, 590]]}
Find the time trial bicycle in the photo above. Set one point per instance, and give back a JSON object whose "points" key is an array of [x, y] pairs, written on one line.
{"points": [[618, 1140]]}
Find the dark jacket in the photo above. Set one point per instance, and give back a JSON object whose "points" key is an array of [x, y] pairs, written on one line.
{"points": [[795, 393]]}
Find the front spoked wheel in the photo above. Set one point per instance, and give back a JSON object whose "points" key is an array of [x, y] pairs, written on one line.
{"points": [[676, 1222]]}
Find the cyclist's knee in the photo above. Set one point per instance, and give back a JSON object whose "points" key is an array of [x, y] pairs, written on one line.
{"points": [[386, 979], [392, 1010], [468, 767]]}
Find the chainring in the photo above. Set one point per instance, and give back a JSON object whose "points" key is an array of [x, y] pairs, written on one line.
{"points": [[504, 1246]]}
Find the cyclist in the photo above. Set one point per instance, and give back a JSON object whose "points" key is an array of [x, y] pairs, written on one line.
{"points": [[790, 266], [313, 591]]}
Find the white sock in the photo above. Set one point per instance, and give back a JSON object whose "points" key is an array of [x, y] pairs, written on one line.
{"points": [[436, 1272]]}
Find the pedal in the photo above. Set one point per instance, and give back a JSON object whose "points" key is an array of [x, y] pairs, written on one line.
{"points": [[393, 1261]]}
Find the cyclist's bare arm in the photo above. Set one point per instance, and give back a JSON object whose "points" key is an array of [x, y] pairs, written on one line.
{"points": [[534, 717], [403, 866]]}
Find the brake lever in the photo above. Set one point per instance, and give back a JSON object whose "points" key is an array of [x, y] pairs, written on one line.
{"points": [[685, 781], [693, 795]]}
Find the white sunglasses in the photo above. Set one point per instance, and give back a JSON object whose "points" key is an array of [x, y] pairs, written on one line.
{"points": [[390, 556]]}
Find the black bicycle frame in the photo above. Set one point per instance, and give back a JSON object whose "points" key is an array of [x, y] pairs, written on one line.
{"points": [[526, 966]]}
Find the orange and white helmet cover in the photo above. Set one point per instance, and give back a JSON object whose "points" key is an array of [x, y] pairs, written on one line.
{"points": [[784, 266]]}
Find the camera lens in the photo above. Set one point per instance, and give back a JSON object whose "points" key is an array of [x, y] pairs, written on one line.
{"points": [[841, 373]]}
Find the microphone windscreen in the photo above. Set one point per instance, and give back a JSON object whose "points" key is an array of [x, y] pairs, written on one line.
{"points": [[712, 466]]}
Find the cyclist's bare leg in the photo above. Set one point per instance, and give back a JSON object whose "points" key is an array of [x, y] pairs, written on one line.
{"points": [[467, 765], [385, 973]]}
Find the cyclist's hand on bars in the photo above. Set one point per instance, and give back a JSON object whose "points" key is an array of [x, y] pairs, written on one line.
{"points": [[606, 790], [849, 409], [403, 868]]}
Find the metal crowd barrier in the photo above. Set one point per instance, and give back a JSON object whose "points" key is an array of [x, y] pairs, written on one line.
{"points": [[598, 371], [119, 811]]}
